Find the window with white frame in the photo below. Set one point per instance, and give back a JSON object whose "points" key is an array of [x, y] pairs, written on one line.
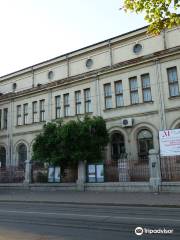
{"points": [[66, 105], [146, 87], [119, 94], [19, 115], [42, 110], [78, 102], [173, 82], [87, 100], [34, 112], [133, 90], [25, 113], [58, 106], [107, 96]]}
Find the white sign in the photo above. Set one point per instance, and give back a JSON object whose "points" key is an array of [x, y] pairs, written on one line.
{"points": [[57, 174], [170, 142]]}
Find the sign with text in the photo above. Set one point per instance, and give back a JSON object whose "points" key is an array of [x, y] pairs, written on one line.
{"points": [[169, 142]]}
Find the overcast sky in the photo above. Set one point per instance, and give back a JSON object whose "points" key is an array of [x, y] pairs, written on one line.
{"points": [[33, 31]]}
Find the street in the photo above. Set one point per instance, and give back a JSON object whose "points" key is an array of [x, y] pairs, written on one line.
{"points": [[42, 221]]}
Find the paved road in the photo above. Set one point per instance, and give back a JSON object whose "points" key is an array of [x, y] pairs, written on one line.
{"points": [[30, 221]]}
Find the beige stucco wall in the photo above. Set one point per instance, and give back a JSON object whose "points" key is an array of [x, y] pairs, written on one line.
{"points": [[144, 115]]}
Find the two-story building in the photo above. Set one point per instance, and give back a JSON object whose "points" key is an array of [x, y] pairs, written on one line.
{"points": [[131, 80]]}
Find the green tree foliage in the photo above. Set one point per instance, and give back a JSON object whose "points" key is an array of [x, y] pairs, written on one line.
{"points": [[160, 14], [66, 144]]}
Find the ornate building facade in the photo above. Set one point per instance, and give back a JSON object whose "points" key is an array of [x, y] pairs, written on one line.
{"points": [[131, 80]]}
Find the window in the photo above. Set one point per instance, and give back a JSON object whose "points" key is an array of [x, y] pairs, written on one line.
{"points": [[25, 113], [78, 102], [119, 94], [0, 118], [19, 115], [34, 112], [133, 90], [145, 143], [5, 118], [173, 82], [42, 110], [2, 157], [22, 155], [146, 88], [66, 105], [87, 100], [107, 96], [117, 146], [57, 106]]}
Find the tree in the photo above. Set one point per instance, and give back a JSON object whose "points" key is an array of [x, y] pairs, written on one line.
{"points": [[66, 144], [160, 14]]}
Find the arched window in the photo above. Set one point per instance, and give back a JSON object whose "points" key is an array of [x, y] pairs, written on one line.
{"points": [[177, 126], [22, 154], [117, 146], [3, 157], [145, 143]]}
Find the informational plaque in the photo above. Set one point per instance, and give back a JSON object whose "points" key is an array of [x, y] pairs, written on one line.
{"points": [[57, 174], [51, 174], [100, 173], [169, 142]]}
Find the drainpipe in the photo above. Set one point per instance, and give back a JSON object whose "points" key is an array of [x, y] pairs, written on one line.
{"points": [[67, 59], [32, 70], [110, 53], [10, 131], [164, 39], [98, 97], [162, 114]]}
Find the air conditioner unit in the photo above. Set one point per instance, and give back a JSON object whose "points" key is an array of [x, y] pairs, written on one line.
{"points": [[127, 122]]}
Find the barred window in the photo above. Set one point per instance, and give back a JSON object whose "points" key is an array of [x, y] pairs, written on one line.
{"points": [[107, 96], [173, 82], [146, 87], [25, 113], [66, 105], [133, 90], [58, 106], [42, 110], [34, 112], [78, 102], [87, 100], [19, 115], [119, 94]]}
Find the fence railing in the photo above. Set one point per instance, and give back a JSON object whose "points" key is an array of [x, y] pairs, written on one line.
{"points": [[12, 174], [126, 170], [170, 168], [40, 174]]}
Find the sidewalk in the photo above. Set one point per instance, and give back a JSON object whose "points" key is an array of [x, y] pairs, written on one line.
{"points": [[103, 198]]}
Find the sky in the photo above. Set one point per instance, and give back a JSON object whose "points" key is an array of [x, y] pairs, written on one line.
{"points": [[33, 31]]}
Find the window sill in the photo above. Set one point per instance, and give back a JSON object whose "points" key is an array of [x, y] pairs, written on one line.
{"points": [[126, 106], [174, 97], [30, 124]]}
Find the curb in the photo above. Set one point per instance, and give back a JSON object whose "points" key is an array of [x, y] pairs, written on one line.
{"points": [[92, 204]]}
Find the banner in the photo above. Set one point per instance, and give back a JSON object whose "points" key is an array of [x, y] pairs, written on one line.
{"points": [[169, 142]]}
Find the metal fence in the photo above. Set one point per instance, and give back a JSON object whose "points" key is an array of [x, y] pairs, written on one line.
{"points": [[12, 174], [126, 170], [40, 174], [170, 168]]}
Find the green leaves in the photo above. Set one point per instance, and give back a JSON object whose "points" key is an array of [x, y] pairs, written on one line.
{"points": [[67, 144], [160, 14]]}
